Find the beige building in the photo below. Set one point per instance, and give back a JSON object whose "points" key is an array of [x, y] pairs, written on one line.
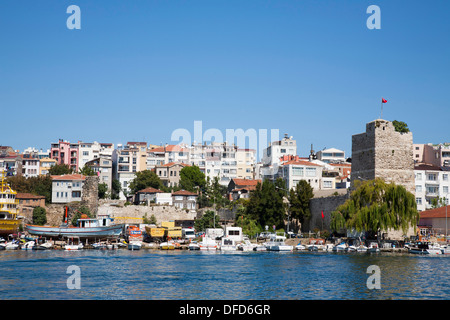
{"points": [[45, 164], [170, 173]]}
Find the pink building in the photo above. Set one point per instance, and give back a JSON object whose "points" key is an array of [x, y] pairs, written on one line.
{"points": [[438, 155], [65, 152]]}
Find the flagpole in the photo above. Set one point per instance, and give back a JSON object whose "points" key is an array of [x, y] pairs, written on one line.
{"points": [[381, 107]]}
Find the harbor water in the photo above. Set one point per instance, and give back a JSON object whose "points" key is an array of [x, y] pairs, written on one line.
{"points": [[195, 275]]}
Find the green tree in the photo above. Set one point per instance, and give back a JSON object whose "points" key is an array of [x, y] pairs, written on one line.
{"points": [[115, 189], [102, 190], [77, 215], [145, 179], [60, 169], [39, 216], [87, 171], [400, 126], [374, 206], [207, 221], [266, 204], [299, 198], [192, 178]]}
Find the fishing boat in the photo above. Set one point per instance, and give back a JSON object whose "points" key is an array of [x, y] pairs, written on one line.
{"points": [[88, 228], [277, 243], [227, 244], [207, 243], [9, 221], [73, 243]]}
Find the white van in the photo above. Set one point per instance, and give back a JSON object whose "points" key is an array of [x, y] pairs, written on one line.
{"points": [[188, 233]]}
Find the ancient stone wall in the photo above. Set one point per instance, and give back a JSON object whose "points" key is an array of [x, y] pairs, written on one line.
{"points": [[382, 152], [327, 205], [89, 195]]}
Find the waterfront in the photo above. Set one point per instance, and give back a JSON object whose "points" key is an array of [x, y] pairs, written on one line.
{"points": [[182, 274]]}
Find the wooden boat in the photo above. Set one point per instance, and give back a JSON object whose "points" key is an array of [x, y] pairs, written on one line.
{"points": [[9, 221], [88, 228]]}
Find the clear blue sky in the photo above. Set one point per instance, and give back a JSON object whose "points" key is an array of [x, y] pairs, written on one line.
{"points": [[137, 70]]}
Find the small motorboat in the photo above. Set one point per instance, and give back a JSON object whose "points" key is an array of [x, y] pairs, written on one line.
{"points": [[227, 244], [342, 247], [435, 248], [193, 246], [373, 248], [44, 246], [277, 243], [361, 248], [135, 245], [12, 245], [260, 247], [300, 247], [73, 243], [352, 248], [29, 245], [329, 247], [168, 245], [99, 246], [208, 244], [246, 245]]}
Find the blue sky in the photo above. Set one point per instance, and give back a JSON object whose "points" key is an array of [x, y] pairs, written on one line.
{"points": [[138, 70]]}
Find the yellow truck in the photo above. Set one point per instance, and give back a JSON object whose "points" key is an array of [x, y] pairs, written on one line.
{"points": [[155, 233], [174, 232]]}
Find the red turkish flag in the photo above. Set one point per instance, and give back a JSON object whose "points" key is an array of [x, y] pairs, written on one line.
{"points": [[323, 215], [383, 100]]}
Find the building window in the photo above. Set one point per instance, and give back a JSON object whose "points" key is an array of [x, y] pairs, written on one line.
{"points": [[445, 177], [431, 176], [327, 184], [418, 188], [418, 201], [310, 172], [297, 171], [418, 176]]}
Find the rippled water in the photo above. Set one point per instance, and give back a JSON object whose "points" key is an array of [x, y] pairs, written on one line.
{"points": [[153, 274]]}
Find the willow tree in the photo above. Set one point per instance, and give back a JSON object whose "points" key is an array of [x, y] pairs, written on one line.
{"points": [[374, 206]]}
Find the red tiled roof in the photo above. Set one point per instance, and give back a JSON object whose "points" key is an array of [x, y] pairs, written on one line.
{"points": [[246, 182], [435, 213], [301, 163], [28, 196], [175, 147], [150, 190], [170, 164], [74, 176], [426, 166], [157, 150], [184, 193]]}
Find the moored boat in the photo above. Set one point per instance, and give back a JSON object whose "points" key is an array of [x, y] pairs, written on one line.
{"points": [[277, 243], [135, 245], [227, 244], [88, 228], [373, 247], [73, 243], [168, 245], [208, 244], [9, 221]]}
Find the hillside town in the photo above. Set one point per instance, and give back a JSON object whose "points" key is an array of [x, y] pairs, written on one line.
{"points": [[380, 152]]}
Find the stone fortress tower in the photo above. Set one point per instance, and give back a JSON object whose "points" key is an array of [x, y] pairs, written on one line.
{"points": [[382, 152]]}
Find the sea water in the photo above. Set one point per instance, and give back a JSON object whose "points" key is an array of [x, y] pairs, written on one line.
{"points": [[197, 275]]}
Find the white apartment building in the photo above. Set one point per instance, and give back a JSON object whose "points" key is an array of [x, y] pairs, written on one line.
{"points": [[272, 154], [331, 155], [89, 151], [294, 171], [432, 182], [67, 188], [30, 165], [131, 158]]}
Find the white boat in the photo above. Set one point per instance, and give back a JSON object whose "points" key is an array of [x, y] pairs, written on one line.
{"points": [[277, 243], [361, 248], [135, 245], [44, 246], [207, 243], [12, 245], [329, 247], [246, 245], [445, 249], [194, 246], [99, 246], [342, 247], [227, 244], [435, 248], [2, 244], [300, 247], [352, 248], [29, 245], [73, 243], [261, 247], [373, 247]]}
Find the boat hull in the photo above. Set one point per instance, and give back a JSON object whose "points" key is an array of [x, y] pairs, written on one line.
{"points": [[89, 232], [9, 226]]}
